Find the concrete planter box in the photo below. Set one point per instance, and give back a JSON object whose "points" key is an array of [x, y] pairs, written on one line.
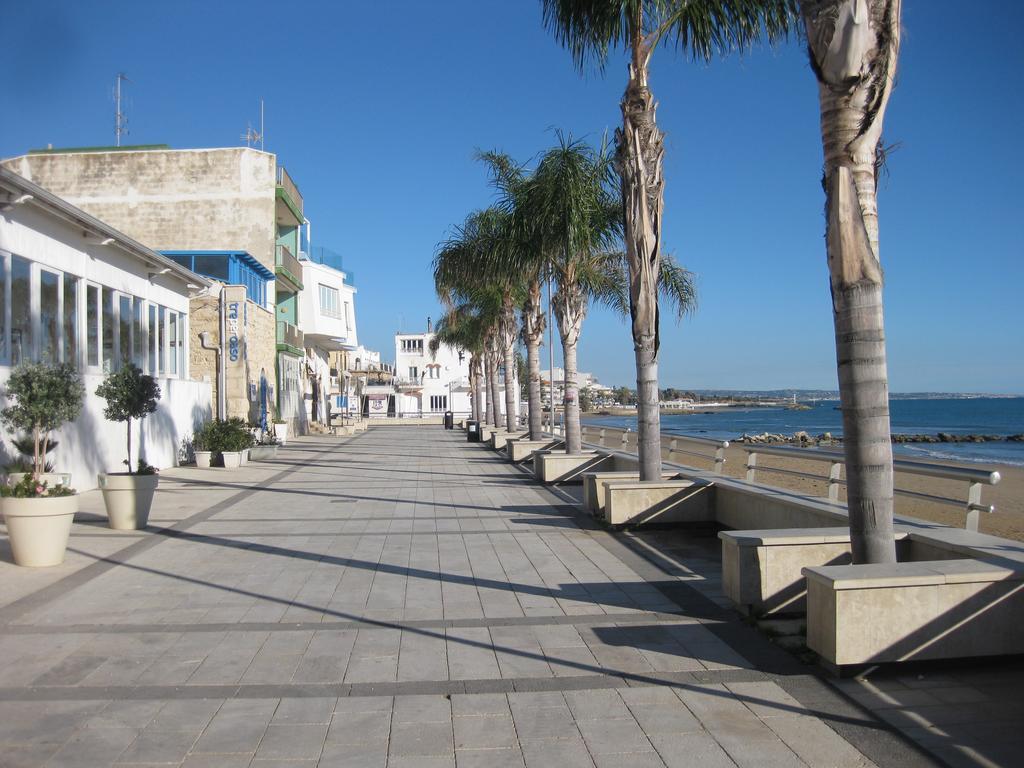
{"points": [[128, 499], [38, 529], [521, 450], [632, 502], [867, 614], [281, 432], [593, 486], [553, 466], [204, 459], [263, 452], [500, 439]]}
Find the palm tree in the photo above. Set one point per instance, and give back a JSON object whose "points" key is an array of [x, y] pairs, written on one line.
{"points": [[471, 266], [576, 212], [461, 328], [853, 47], [590, 29], [521, 257]]}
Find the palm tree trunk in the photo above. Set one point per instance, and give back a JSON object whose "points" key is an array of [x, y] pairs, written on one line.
{"points": [[489, 387], [511, 417], [639, 154], [854, 82], [495, 394], [533, 333], [478, 389], [571, 400]]}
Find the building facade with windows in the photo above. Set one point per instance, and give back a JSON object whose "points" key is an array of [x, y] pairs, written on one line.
{"points": [[327, 308], [430, 383], [232, 214], [76, 290]]}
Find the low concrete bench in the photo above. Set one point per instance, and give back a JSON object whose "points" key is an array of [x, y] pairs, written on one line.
{"points": [[635, 502], [557, 466], [521, 450], [762, 570], [866, 614], [593, 488], [499, 439]]}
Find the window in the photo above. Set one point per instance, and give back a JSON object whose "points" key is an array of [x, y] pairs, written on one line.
{"points": [[233, 267], [49, 316], [160, 342], [70, 310], [182, 333], [439, 402], [153, 341], [21, 310], [330, 302], [124, 326], [413, 372], [348, 317], [92, 319], [108, 329], [215, 266], [172, 344], [139, 335]]}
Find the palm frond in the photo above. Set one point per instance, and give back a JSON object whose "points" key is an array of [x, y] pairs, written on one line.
{"points": [[678, 286]]}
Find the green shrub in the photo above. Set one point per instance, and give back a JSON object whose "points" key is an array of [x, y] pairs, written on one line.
{"points": [[130, 394], [43, 397], [219, 436]]}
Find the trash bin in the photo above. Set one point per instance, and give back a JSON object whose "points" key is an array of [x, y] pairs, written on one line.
{"points": [[449, 420], [473, 431]]}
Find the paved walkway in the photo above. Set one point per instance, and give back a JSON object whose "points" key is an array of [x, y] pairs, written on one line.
{"points": [[398, 598]]}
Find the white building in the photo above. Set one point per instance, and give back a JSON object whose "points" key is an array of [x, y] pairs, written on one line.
{"points": [[328, 322], [429, 383], [76, 290]]}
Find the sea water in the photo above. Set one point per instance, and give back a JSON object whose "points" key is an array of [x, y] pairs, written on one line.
{"points": [[926, 416]]}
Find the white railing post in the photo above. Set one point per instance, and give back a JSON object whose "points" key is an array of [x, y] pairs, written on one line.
{"points": [[834, 471], [720, 459], [751, 466], [973, 507]]}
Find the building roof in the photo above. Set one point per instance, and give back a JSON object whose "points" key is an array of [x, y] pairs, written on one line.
{"points": [[20, 188]]}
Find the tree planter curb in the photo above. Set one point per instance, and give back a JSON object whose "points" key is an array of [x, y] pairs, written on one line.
{"points": [[128, 499], [39, 528]]}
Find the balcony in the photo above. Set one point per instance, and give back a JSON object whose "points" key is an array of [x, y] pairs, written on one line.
{"points": [[290, 339], [289, 194], [288, 268], [332, 259]]}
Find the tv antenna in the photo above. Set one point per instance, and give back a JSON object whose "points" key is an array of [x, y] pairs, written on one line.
{"points": [[252, 136], [120, 118]]}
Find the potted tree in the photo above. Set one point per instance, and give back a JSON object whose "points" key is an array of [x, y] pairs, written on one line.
{"points": [[233, 439], [280, 427], [202, 445], [128, 496], [38, 516], [25, 463]]}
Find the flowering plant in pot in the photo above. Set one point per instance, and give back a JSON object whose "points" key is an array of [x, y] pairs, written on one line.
{"points": [[128, 496], [39, 515]]}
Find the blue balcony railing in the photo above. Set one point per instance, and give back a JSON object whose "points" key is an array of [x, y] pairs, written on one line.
{"points": [[332, 259]]}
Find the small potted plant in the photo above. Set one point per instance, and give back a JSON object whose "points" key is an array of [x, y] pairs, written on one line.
{"points": [[265, 448], [39, 517], [202, 445], [233, 438], [280, 427], [130, 394]]}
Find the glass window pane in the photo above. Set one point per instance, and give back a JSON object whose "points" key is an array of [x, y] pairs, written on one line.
{"points": [[172, 356], [138, 335], [92, 319], [71, 320], [21, 310], [181, 345], [49, 316], [161, 340], [108, 330], [3, 308], [212, 266], [154, 346], [124, 322]]}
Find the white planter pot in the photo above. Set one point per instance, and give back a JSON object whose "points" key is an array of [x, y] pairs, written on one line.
{"points": [[232, 459], [128, 499], [281, 430], [203, 459], [50, 478], [39, 528], [245, 456]]}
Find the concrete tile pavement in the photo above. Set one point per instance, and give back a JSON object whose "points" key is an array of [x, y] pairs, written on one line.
{"points": [[397, 598]]}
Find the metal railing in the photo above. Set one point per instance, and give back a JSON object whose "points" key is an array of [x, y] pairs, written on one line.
{"points": [[674, 445], [975, 478], [286, 261], [285, 182], [289, 334]]}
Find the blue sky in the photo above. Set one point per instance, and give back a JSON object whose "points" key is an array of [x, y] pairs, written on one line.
{"points": [[376, 109]]}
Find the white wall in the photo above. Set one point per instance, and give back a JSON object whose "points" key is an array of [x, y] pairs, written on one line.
{"points": [[312, 320]]}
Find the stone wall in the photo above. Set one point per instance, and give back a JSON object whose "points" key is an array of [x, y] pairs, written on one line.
{"points": [[196, 199]]}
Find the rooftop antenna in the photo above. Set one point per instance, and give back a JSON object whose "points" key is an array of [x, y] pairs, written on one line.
{"points": [[120, 119], [251, 136]]}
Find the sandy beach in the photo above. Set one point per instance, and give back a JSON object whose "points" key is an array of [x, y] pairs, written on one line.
{"points": [[1007, 495]]}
